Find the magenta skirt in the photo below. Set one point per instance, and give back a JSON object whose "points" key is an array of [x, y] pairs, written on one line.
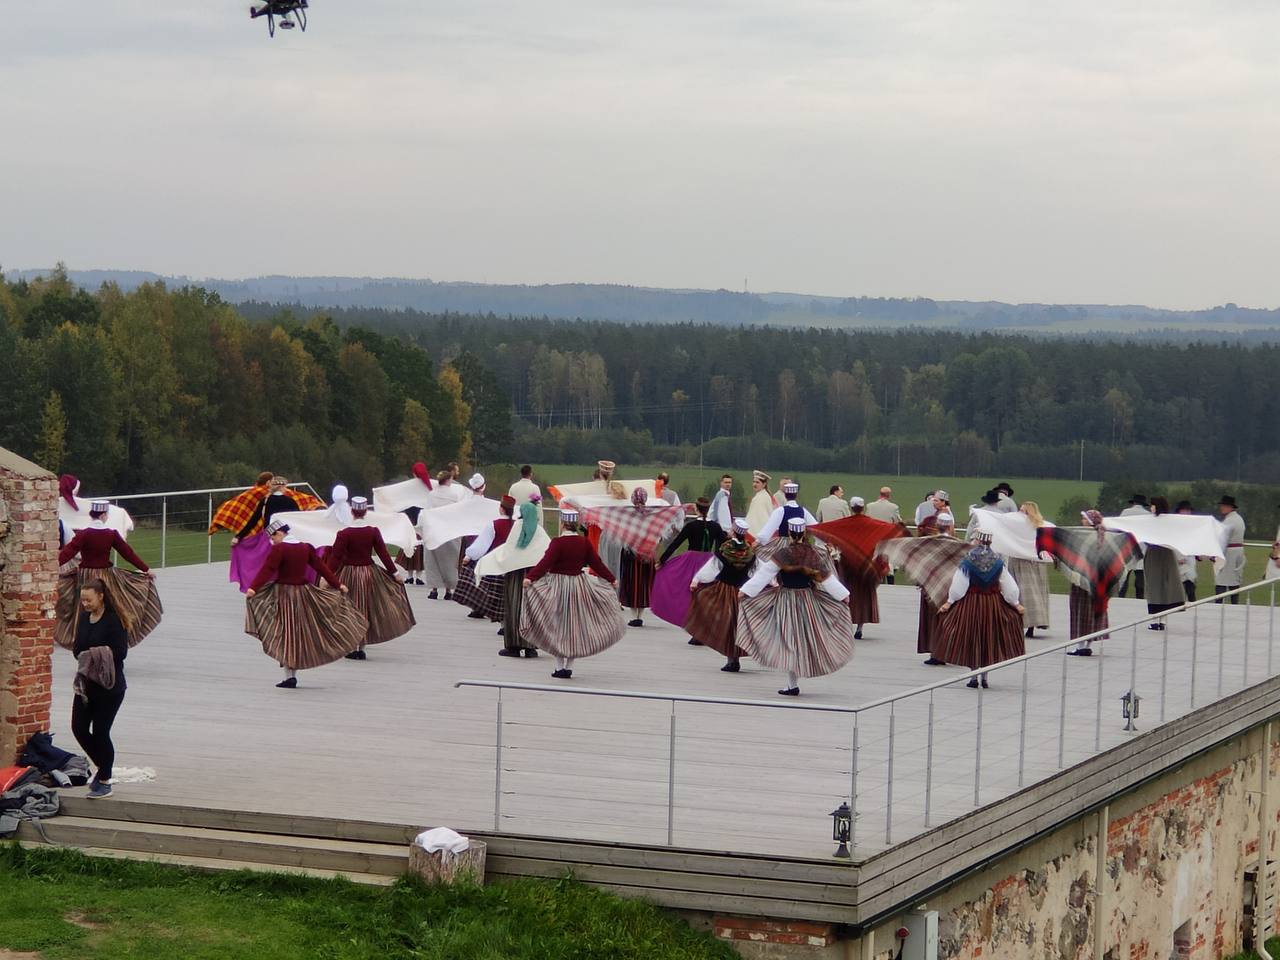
{"points": [[248, 556], [670, 597]]}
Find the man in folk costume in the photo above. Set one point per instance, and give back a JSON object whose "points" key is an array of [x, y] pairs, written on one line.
{"points": [[250, 545], [300, 624], [670, 597], [565, 613], [440, 566], [485, 594], [981, 622], [832, 506], [762, 504], [716, 593], [928, 636], [379, 596], [801, 625], [927, 521], [133, 593], [781, 515], [721, 511], [1231, 575]]}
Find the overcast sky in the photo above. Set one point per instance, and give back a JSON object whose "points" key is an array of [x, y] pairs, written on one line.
{"points": [[1075, 152]]}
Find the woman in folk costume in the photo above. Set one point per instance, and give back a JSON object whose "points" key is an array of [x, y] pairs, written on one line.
{"points": [[635, 573], [249, 514], [1164, 589], [715, 589], [380, 596], [981, 622], [762, 502], [670, 595], [801, 625], [525, 545], [413, 563], [484, 595], [1032, 578], [928, 636], [441, 564], [134, 594], [301, 625], [565, 613]]}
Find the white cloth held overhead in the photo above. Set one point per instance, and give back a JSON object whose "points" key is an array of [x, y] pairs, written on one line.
{"points": [[443, 839], [509, 558], [118, 518], [1189, 535], [1012, 534], [461, 518], [320, 527]]}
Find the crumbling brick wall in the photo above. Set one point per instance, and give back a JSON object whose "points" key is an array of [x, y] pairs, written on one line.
{"points": [[28, 578]]}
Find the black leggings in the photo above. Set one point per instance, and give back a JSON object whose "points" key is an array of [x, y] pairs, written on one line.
{"points": [[1234, 598], [91, 723]]}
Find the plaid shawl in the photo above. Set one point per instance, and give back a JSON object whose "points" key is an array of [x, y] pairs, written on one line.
{"points": [[1094, 560], [856, 538], [235, 513], [930, 562], [640, 530]]}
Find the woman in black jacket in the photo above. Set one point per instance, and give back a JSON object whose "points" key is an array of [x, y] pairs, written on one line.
{"points": [[100, 684]]}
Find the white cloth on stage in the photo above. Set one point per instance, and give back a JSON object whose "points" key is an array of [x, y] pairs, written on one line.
{"points": [[509, 557], [1189, 535], [599, 488], [320, 527], [404, 495], [1012, 534], [118, 518], [463, 518]]}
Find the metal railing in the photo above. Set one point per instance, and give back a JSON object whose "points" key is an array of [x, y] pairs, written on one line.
{"points": [[177, 515], [903, 748]]}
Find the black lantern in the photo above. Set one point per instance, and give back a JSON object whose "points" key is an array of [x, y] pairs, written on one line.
{"points": [[842, 829], [1129, 706]]}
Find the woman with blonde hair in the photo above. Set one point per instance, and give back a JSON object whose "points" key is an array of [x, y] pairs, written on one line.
{"points": [[1032, 577]]}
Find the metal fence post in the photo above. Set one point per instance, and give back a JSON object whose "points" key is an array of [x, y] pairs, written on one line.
{"points": [[1195, 657], [1164, 670], [888, 800], [1097, 717], [1133, 658], [977, 752], [1222, 643], [1248, 606], [1022, 727], [671, 779], [164, 529], [497, 767], [208, 546], [1271, 628], [853, 791], [1062, 716], [928, 765]]}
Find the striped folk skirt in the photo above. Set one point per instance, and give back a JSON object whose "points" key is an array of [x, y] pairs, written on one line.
{"points": [[133, 593], [484, 596], [981, 629], [571, 615], [635, 580], [1084, 620], [1033, 584], [803, 630], [304, 626], [713, 618], [381, 598], [927, 635]]}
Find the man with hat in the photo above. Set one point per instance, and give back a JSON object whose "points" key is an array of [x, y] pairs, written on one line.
{"points": [[762, 503], [832, 506], [1004, 498], [789, 510], [1137, 507], [1231, 534]]}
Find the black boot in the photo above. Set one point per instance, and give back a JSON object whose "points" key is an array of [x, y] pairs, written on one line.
{"points": [[732, 666]]}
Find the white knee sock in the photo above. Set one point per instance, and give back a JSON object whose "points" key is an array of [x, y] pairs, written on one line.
{"points": [[793, 681]]}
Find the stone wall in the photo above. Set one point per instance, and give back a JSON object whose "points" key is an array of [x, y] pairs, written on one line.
{"points": [[28, 579], [1173, 884]]}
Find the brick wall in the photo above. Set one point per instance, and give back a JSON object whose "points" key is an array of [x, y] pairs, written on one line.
{"points": [[28, 578]]}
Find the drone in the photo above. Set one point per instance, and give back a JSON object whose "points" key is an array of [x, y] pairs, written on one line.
{"points": [[291, 13]]}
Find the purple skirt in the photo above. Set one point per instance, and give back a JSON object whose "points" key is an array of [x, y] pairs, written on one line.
{"points": [[670, 596], [248, 556]]}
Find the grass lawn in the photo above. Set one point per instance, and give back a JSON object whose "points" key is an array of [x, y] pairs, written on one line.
{"points": [[1273, 948], [60, 905]]}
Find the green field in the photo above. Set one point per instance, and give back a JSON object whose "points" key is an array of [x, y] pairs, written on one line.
{"points": [[60, 905]]}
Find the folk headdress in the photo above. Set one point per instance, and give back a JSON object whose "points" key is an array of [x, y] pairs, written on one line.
{"points": [[422, 473], [68, 487]]}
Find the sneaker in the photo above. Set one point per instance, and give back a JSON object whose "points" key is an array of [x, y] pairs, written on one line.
{"points": [[973, 683], [288, 684], [562, 674], [99, 790], [448, 594]]}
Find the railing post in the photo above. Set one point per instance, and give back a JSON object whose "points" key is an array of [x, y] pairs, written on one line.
{"points": [[671, 779], [1062, 716], [208, 545], [1133, 656], [928, 765], [1271, 628], [1195, 657], [888, 801], [977, 752], [1222, 643], [1022, 726], [1248, 606], [853, 792], [164, 530], [497, 768], [1097, 717], [1164, 670]]}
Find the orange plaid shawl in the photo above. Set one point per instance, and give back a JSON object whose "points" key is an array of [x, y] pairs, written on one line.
{"points": [[235, 513]]}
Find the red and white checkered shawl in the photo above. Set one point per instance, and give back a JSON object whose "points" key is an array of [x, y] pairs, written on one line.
{"points": [[930, 562], [235, 513], [1094, 560], [638, 529]]}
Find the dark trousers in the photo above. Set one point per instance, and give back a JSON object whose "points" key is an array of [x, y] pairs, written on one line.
{"points": [[1139, 578], [1234, 598], [91, 723], [1189, 588]]}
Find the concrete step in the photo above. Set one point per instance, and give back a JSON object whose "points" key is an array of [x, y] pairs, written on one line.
{"points": [[212, 865], [272, 851]]}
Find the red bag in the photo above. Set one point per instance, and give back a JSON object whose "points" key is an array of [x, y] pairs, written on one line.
{"points": [[11, 777]]}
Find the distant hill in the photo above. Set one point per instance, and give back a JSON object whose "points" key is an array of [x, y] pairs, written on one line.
{"points": [[649, 305]]}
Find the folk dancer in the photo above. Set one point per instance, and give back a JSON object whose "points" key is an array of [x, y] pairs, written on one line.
{"points": [[565, 613], [250, 545], [884, 509], [782, 515], [1187, 565], [981, 622], [800, 626], [524, 489], [635, 573], [300, 625], [134, 594], [380, 596], [440, 566], [1032, 577], [1137, 507], [1231, 575], [928, 636], [1163, 577], [670, 596], [716, 589]]}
